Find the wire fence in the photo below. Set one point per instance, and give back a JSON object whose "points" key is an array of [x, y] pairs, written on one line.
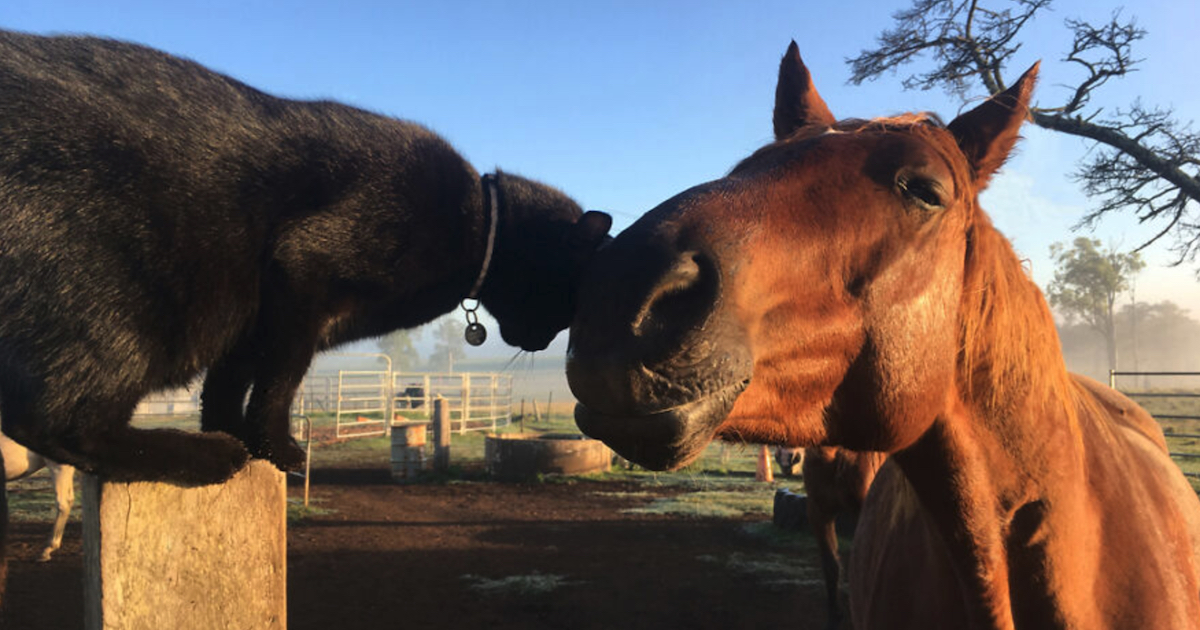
{"points": [[1181, 429]]}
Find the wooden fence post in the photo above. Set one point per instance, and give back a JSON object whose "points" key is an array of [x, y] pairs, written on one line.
{"points": [[441, 435], [161, 556], [763, 471]]}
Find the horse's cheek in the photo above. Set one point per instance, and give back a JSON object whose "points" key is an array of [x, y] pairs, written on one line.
{"points": [[914, 332]]}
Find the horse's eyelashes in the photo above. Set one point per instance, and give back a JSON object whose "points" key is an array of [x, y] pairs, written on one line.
{"points": [[922, 191]]}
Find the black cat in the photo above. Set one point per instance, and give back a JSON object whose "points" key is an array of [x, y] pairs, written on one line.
{"points": [[158, 219]]}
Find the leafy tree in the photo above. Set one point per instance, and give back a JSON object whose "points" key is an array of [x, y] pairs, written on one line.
{"points": [[1142, 160], [399, 346], [1087, 282], [449, 344]]}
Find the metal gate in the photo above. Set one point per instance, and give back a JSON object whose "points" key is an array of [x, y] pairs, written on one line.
{"points": [[476, 400], [362, 403], [368, 402]]}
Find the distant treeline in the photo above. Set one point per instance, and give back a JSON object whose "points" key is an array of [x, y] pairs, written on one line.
{"points": [[1158, 337]]}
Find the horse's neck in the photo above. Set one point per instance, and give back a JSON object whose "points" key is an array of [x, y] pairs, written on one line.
{"points": [[1014, 392], [984, 474], [951, 471], [982, 468]]}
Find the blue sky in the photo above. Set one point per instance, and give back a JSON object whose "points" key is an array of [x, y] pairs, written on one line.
{"points": [[624, 104]]}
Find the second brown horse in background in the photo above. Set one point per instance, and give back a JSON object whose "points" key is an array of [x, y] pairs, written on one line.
{"points": [[836, 481]]}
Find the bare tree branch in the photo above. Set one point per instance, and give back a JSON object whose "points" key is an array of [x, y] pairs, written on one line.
{"points": [[1113, 41], [1142, 161]]}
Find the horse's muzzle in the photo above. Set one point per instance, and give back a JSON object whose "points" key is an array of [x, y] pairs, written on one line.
{"points": [[666, 440]]}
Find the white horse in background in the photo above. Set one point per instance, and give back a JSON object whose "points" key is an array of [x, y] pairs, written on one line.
{"points": [[20, 462]]}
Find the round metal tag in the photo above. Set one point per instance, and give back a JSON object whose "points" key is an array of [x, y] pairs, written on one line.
{"points": [[476, 334]]}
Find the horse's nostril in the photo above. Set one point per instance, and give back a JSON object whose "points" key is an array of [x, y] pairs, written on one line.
{"points": [[682, 298]]}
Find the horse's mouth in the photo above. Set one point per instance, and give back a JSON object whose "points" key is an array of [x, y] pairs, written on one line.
{"points": [[662, 440]]}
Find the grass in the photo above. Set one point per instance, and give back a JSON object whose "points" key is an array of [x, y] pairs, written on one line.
{"points": [[719, 484], [525, 585], [1185, 450], [367, 450], [731, 462], [297, 512], [465, 448], [639, 494], [790, 562], [710, 504], [1164, 403], [32, 499], [793, 541], [775, 571]]}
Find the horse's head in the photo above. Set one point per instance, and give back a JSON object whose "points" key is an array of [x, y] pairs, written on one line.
{"points": [[790, 460], [811, 296], [543, 242]]}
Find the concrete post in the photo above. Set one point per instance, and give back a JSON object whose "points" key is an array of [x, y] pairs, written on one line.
{"points": [[161, 556]]}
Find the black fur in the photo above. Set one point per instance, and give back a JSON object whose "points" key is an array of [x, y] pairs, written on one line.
{"points": [[158, 219]]}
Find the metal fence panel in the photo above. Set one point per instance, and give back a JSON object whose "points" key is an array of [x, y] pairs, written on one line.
{"points": [[1171, 436], [184, 401], [317, 394], [368, 402], [477, 401], [362, 403]]}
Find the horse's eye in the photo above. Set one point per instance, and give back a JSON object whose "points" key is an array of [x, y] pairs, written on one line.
{"points": [[926, 193]]}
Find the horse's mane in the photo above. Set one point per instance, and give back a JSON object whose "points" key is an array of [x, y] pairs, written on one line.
{"points": [[908, 121], [1009, 347], [919, 122]]}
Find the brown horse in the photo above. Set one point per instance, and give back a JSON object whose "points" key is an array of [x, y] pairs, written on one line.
{"points": [[836, 481], [847, 271]]}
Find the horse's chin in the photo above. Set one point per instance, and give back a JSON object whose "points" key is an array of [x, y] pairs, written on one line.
{"points": [[663, 440]]}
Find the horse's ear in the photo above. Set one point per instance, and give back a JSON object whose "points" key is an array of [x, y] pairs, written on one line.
{"points": [[987, 133], [796, 100], [590, 230]]}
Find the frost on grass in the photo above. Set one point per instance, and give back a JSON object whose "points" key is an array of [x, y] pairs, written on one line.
{"points": [[532, 584], [772, 570], [31, 500], [297, 511], [710, 504]]}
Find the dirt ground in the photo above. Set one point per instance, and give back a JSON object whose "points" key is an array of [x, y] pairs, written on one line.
{"points": [[491, 555]]}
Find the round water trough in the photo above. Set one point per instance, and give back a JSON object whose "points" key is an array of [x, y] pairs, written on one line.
{"points": [[525, 455]]}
